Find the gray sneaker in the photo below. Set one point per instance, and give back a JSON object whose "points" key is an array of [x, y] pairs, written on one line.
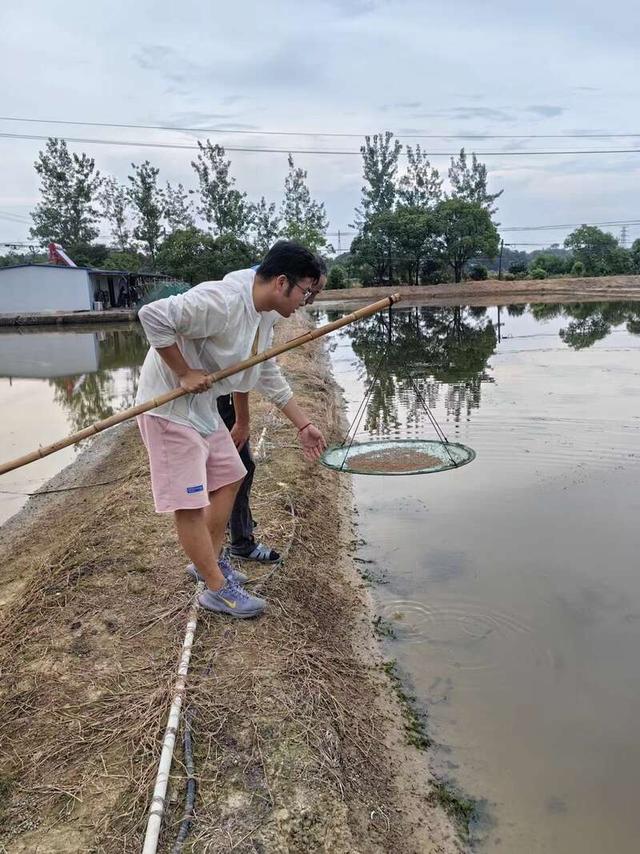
{"points": [[233, 600], [233, 576]]}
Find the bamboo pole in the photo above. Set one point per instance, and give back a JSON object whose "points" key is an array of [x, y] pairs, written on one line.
{"points": [[126, 414]]}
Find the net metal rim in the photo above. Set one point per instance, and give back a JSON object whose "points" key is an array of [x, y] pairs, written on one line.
{"points": [[334, 456]]}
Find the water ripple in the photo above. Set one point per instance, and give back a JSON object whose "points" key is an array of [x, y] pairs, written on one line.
{"points": [[457, 628]]}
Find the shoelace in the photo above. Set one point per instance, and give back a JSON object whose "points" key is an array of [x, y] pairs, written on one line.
{"points": [[238, 592], [225, 566]]}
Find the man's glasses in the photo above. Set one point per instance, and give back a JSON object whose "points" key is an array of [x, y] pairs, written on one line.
{"points": [[308, 293]]}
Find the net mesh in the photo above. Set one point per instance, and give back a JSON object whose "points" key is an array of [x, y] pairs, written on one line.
{"points": [[400, 456]]}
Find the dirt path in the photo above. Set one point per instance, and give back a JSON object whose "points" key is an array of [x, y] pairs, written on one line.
{"points": [[495, 292], [300, 743]]}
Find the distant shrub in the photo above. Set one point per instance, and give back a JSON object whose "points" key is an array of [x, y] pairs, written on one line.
{"points": [[538, 273], [478, 273], [508, 277], [577, 269], [337, 278], [518, 267]]}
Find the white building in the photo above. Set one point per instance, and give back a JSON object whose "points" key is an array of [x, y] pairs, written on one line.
{"points": [[40, 288]]}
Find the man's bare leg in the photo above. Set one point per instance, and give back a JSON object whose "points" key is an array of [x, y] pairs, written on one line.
{"points": [[201, 533], [218, 512]]}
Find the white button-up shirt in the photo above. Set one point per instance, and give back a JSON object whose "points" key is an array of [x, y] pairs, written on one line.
{"points": [[215, 325]]}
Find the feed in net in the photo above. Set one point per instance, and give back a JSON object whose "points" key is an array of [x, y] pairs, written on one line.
{"points": [[396, 457]]}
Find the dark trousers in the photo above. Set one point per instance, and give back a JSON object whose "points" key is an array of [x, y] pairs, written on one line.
{"points": [[241, 522]]}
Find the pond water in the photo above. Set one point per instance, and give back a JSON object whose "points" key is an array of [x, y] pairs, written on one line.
{"points": [[53, 383], [512, 584]]}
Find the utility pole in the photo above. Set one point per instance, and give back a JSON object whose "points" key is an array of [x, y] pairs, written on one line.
{"points": [[500, 261], [623, 237]]}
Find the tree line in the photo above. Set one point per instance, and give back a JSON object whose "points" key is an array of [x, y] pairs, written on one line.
{"points": [[413, 225], [154, 226]]}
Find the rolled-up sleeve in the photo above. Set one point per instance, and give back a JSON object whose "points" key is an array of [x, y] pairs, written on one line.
{"points": [[199, 313], [273, 385]]}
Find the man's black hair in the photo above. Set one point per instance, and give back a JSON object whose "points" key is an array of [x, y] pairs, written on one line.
{"points": [[290, 259], [322, 264]]}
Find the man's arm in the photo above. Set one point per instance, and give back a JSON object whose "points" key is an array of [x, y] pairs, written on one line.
{"points": [[240, 429], [191, 379], [312, 440]]}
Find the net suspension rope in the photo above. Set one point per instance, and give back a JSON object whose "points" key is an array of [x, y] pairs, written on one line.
{"points": [[363, 404]]}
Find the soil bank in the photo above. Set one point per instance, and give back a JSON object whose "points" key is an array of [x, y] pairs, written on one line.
{"points": [[498, 292], [300, 742]]}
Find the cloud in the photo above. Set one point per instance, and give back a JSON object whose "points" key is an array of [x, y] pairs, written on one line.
{"points": [[195, 118], [547, 110], [469, 113], [400, 105], [284, 67], [354, 8]]}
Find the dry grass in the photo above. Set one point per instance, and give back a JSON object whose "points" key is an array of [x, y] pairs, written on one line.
{"points": [[291, 741]]}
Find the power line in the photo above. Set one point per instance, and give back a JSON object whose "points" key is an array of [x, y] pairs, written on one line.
{"points": [[345, 233], [319, 133], [13, 217], [568, 225], [176, 146]]}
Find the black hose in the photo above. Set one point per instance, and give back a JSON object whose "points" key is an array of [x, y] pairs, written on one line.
{"points": [[190, 796]]}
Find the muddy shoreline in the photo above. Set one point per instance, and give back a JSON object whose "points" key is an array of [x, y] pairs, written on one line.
{"points": [[301, 742], [494, 292]]}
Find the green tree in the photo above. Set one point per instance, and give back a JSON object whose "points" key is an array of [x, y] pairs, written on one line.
{"points": [[69, 186], [421, 184], [634, 253], [595, 249], [413, 237], [266, 225], [469, 182], [229, 253], [552, 264], [337, 278], [195, 256], [129, 260], [222, 206], [178, 210], [374, 251], [148, 203], [368, 259], [184, 253], [303, 219], [114, 199], [519, 268], [379, 167], [464, 232]]}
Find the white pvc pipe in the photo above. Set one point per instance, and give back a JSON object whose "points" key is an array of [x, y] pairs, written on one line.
{"points": [[157, 808], [260, 446]]}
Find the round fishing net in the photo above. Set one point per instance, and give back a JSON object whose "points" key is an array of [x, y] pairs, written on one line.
{"points": [[397, 456]]}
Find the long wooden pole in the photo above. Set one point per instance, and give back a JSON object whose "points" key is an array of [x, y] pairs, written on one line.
{"points": [[126, 414]]}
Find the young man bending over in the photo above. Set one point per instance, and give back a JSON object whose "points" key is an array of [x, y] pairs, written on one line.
{"points": [[195, 467], [234, 411]]}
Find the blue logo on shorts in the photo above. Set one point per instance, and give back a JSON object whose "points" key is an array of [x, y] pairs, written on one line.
{"points": [[199, 488]]}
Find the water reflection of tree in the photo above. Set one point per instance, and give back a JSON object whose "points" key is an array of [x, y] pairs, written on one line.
{"points": [[90, 397], [431, 349], [591, 322]]}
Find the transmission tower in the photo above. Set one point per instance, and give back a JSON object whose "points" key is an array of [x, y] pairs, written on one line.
{"points": [[623, 237]]}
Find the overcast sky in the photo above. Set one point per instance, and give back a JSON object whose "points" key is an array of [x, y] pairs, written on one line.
{"points": [[341, 66]]}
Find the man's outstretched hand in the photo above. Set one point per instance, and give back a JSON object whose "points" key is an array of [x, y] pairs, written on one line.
{"points": [[313, 442]]}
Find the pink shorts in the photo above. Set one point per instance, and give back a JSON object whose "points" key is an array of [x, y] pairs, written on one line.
{"points": [[186, 466]]}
